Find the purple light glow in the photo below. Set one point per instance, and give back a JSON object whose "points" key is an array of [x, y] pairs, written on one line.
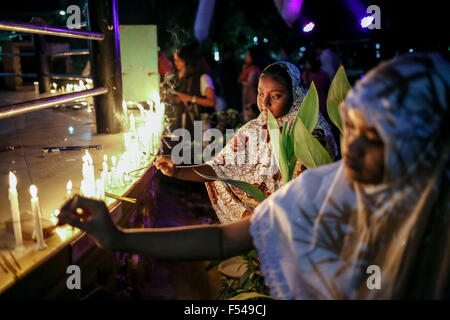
{"points": [[366, 21], [289, 10], [309, 27]]}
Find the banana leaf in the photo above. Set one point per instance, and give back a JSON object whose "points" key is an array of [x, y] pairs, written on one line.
{"points": [[338, 90], [283, 146], [309, 109], [279, 145], [308, 149], [248, 188]]}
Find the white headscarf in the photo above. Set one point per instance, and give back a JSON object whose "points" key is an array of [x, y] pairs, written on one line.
{"points": [[321, 236]]}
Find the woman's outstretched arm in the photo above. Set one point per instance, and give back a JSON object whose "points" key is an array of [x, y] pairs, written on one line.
{"points": [[166, 165], [200, 242]]}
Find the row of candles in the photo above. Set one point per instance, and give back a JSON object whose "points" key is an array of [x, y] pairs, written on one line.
{"points": [[70, 87], [141, 143], [35, 209]]}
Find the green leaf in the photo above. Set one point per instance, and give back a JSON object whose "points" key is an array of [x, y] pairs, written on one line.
{"points": [[278, 145], [338, 90], [308, 149], [243, 279], [252, 254], [274, 133], [309, 109], [250, 295], [248, 188]]}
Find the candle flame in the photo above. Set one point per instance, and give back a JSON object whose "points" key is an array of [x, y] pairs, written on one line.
{"points": [[33, 191], [155, 97], [54, 217], [113, 160], [105, 157], [64, 232], [88, 158], [69, 186], [12, 180]]}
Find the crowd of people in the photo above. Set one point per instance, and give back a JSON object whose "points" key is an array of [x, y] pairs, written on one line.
{"points": [[384, 204]]}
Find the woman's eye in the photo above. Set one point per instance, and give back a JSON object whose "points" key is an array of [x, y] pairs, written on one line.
{"points": [[277, 96], [373, 138], [349, 125]]}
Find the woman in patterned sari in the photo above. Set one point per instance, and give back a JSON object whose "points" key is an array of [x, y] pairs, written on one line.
{"points": [[248, 155]]}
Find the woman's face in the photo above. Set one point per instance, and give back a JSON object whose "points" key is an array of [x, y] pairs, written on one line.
{"points": [[179, 63], [273, 96], [362, 150]]}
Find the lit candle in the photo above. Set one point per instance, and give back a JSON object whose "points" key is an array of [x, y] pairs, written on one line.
{"points": [[105, 172], [84, 189], [84, 168], [88, 176], [113, 172], [38, 233], [125, 113], [69, 189], [14, 203], [105, 163], [141, 110], [89, 84], [54, 217], [36, 87], [132, 126], [100, 189]]}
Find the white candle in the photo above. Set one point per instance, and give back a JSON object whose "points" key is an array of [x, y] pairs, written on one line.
{"points": [[100, 189], [54, 217], [83, 189], [141, 110], [105, 163], [104, 174], [69, 189], [113, 172], [89, 84], [84, 167], [38, 233], [88, 175], [132, 125], [14, 203]]}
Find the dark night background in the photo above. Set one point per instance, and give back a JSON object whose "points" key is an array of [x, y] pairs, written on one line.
{"points": [[404, 25]]}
